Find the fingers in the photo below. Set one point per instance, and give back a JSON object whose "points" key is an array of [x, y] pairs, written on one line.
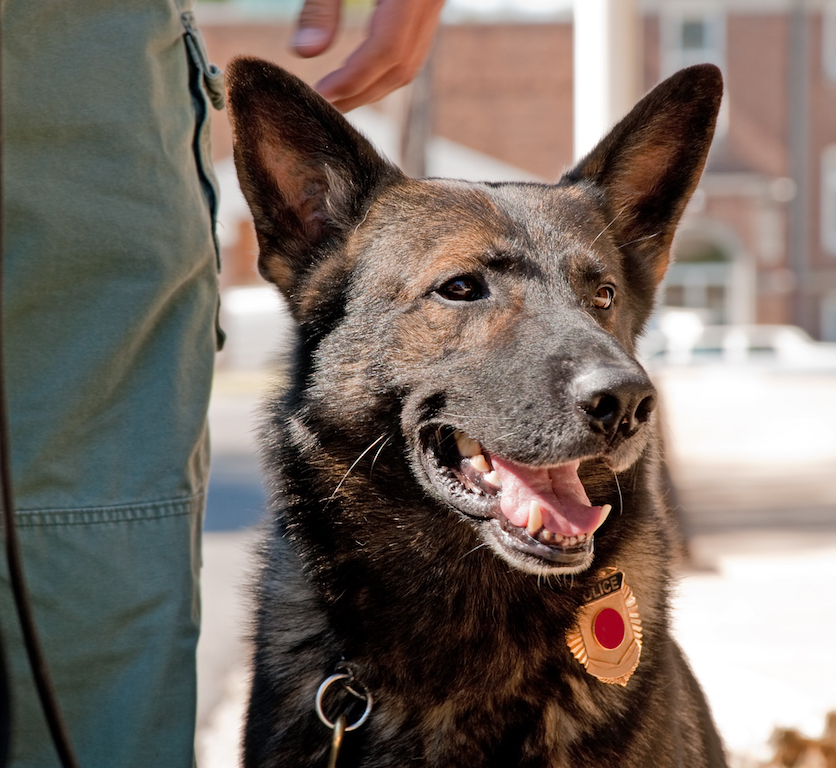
{"points": [[316, 27], [399, 39]]}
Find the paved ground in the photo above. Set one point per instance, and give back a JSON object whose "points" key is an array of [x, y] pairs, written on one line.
{"points": [[754, 459]]}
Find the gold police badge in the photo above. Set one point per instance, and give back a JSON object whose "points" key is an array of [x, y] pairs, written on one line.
{"points": [[607, 638]]}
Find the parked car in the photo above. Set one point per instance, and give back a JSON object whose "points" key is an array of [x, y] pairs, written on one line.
{"points": [[683, 340]]}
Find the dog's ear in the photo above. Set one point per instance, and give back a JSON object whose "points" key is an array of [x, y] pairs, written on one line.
{"points": [[307, 175], [645, 170]]}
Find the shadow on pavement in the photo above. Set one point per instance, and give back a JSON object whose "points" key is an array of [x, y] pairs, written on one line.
{"points": [[236, 496]]}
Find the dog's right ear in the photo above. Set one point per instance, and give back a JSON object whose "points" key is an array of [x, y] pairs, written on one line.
{"points": [[307, 175], [644, 171]]}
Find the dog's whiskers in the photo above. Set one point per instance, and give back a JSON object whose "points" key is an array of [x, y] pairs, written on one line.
{"points": [[365, 216], [615, 218], [639, 239], [620, 497], [448, 415], [354, 464], [471, 551], [379, 451]]}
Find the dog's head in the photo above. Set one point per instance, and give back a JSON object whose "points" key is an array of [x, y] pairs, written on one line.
{"points": [[492, 325]]}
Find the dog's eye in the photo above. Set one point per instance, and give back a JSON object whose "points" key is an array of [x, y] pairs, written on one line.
{"points": [[463, 288], [603, 297]]}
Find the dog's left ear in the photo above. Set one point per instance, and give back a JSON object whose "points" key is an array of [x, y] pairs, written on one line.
{"points": [[307, 175], [645, 170]]}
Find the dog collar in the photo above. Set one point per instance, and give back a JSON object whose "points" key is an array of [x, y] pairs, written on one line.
{"points": [[607, 637]]}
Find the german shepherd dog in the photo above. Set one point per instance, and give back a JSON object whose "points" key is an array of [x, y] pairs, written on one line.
{"points": [[467, 526]]}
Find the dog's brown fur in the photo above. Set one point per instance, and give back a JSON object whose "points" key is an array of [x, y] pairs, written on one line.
{"points": [[508, 312]]}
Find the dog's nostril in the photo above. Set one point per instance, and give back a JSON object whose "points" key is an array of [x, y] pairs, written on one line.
{"points": [[645, 409], [604, 409]]}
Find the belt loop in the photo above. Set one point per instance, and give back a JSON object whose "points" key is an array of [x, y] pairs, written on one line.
{"points": [[213, 76]]}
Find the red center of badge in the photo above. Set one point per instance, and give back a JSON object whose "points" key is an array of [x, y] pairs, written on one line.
{"points": [[608, 628]]}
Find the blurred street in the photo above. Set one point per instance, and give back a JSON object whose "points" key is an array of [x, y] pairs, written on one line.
{"points": [[753, 456]]}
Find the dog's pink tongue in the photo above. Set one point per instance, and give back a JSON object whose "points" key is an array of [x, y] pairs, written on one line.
{"points": [[558, 490]]}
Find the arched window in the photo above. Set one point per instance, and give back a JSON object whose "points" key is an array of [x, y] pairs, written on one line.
{"points": [[700, 279]]}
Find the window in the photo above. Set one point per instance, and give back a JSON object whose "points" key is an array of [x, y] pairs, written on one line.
{"points": [[692, 34], [700, 280], [828, 43], [695, 33], [828, 200], [828, 317]]}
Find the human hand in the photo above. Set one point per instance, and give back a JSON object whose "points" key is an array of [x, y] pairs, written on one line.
{"points": [[398, 41]]}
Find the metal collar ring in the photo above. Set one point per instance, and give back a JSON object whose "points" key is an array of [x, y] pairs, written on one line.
{"points": [[365, 695]]}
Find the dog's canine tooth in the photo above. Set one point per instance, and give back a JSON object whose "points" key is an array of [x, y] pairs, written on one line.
{"points": [[535, 518], [605, 513], [480, 463], [468, 447], [492, 477]]}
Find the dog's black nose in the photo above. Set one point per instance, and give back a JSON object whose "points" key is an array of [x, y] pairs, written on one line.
{"points": [[615, 400]]}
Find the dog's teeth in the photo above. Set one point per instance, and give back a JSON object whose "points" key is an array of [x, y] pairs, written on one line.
{"points": [[535, 518], [467, 446], [479, 462], [605, 513], [547, 536], [492, 477]]}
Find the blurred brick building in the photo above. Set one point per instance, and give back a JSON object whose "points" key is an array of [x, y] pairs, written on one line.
{"points": [[758, 243]]}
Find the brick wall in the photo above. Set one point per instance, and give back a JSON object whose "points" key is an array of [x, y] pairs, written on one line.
{"points": [[506, 90]]}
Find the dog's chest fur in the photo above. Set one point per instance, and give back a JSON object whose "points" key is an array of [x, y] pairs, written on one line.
{"points": [[467, 657]]}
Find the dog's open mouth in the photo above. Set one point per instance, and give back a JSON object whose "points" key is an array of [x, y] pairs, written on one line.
{"points": [[539, 513]]}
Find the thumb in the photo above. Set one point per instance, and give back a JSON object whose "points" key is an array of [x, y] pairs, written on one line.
{"points": [[316, 27]]}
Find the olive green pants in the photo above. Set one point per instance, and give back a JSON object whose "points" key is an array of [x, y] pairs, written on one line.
{"points": [[110, 298]]}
